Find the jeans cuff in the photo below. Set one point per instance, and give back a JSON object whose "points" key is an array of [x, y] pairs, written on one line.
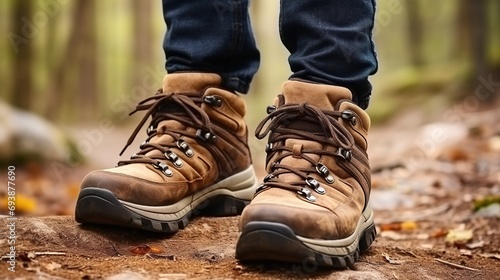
{"points": [[235, 84]]}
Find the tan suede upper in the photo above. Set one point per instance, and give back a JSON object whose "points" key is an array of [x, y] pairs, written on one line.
{"points": [[176, 121], [334, 214]]}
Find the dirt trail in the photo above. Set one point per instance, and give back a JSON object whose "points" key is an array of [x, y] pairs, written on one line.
{"points": [[205, 250]]}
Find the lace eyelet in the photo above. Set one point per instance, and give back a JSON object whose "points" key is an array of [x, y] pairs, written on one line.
{"points": [[273, 165], [150, 129], [164, 168], [268, 177], [269, 147], [313, 183], [325, 172], [184, 147], [344, 153], [349, 116], [173, 158], [143, 144], [270, 109], [213, 100], [206, 135], [306, 193], [261, 188]]}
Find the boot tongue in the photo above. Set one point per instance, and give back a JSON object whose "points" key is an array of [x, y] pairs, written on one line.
{"points": [[189, 84], [319, 95]]}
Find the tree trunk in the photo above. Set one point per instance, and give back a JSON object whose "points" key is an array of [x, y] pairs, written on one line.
{"points": [[74, 77], [23, 32], [142, 38], [86, 60], [478, 36], [414, 34]]}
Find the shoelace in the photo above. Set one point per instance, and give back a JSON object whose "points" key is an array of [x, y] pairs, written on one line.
{"points": [[332, 134], [191, 116]]}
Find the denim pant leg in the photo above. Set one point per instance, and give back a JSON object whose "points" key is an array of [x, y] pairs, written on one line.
{"points": [[330, 42], [211, 36]]}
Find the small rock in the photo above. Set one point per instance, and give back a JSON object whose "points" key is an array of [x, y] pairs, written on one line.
{"points": [[492, 210], [24, 133]]}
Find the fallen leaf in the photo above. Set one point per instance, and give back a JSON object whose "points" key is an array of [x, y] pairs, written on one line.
{"points": [[24, 204], [141, 250], [440, 232], [409, 225], [391, 260], [459, 236], [406, 226], [145, 249]]}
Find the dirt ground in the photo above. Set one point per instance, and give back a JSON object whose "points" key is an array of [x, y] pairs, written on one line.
{"points": [[436, 189]]}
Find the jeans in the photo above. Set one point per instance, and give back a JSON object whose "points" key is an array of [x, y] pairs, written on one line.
{"points": [[329, 41]]}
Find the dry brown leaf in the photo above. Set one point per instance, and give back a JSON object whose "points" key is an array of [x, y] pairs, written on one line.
{"points": [[146, 249], [440, 232], [406, 226], [141, 250]]}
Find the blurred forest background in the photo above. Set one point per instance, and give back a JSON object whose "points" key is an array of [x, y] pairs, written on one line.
{"points": [[71, 71], [70, 61]]}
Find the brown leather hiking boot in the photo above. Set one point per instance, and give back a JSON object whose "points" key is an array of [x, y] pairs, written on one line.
{"points": [[313, 205], [195, 157]]}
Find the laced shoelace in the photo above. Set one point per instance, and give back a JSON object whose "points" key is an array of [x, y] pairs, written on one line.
{"points": [[191, 116], [332, 133]]}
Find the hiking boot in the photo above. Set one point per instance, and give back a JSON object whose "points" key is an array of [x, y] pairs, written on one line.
{"points": [[195, 158], [312, 207]]}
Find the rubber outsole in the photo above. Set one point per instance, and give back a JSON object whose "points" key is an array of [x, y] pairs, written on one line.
{"points": [[100, 206], [267, 241]]}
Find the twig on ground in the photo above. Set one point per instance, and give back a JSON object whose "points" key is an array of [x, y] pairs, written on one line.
{"points": [[49, 253], [456, 265]]}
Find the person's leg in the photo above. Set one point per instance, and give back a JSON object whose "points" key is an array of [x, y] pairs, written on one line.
{"points": [[211, 36], [330, 42], [313, 206], [195, 156]]}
